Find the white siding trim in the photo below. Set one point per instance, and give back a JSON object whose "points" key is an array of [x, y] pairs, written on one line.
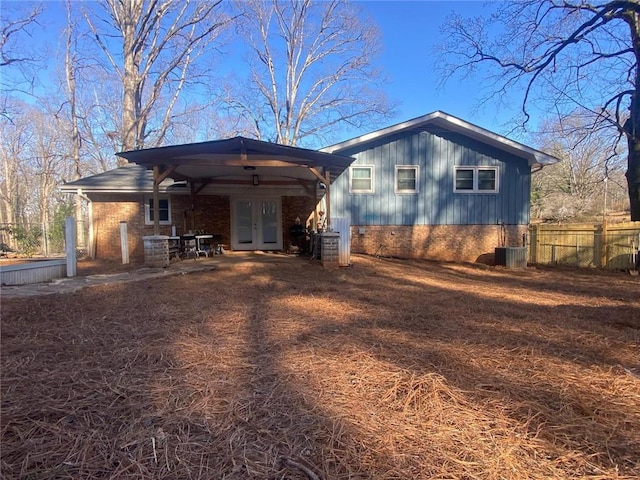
{"points": [[475, 170], [372, 169], [416, 168]]}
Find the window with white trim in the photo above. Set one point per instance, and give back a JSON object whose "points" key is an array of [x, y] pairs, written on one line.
{"points": [[361, 179], [407, 179], [164, 211], [475, 180]]}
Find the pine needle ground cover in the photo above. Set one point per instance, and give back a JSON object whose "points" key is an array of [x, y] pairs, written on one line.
{"points": [[388, 369]]}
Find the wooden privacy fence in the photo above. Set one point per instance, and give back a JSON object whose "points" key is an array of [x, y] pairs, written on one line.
{"points": [[613, 246]]}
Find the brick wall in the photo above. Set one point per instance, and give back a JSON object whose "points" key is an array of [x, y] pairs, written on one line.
{"points": [[210, 213], [467, 243], [293, 207], [106, 220]]}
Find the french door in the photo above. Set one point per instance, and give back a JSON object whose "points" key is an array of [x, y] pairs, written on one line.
{"points": [[256, 224]]}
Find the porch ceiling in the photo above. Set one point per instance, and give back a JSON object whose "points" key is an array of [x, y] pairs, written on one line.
{"points": [[236, 160]]}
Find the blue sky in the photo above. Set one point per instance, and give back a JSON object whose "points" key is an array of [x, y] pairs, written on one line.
{"points": [[410, 31]]}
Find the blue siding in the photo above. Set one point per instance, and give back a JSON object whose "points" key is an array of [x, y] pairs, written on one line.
{"points": [[436, 153]]}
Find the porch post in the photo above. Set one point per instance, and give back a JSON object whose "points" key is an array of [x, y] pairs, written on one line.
{"points": [[315, 208], [193, 207], [326, 179], [92, 236], [156, 200], [328, 198]]}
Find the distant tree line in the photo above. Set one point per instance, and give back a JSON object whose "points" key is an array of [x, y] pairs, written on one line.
{"points": [[588, 184]]}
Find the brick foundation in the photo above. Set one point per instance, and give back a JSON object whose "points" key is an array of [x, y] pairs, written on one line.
{"points": [[462, 243]]}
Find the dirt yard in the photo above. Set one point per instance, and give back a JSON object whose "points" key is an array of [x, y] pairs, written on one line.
{"points": [[274, 368]]}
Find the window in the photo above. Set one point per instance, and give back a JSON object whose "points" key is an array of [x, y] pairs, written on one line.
{"points": [[487, 180], [406, 179], [476, 180], [164, 211], [464, 179], [361, 179]]}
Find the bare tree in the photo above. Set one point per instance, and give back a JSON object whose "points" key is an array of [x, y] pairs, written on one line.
{"points": [[17, 59], [14, 29], [45, 164], [559, 54], [32, 149], [14, 138], [71, 68], [577, 186], [159, 43], [311, 69]]}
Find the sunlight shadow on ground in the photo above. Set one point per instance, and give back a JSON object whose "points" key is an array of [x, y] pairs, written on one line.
{"points": [[387, 369]]}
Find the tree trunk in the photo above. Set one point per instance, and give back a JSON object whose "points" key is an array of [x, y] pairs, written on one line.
{"points": [[129, 128], [70, 67], [633, 177], [131, 13], [632, 125]]}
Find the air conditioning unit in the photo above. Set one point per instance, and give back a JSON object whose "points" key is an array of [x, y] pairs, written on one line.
{"points": [[511, 257]]}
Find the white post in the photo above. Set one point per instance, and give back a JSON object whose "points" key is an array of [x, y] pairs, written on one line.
{"points": [[45, 236], [124, 243], [70, 245], [92, 240]]}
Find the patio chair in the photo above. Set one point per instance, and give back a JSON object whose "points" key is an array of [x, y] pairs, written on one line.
{"points": [[216, 244]]}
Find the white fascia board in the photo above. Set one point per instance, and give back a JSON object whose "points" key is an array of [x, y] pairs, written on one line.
{"points": [[533, 156], [115, 190], [379, 133]]}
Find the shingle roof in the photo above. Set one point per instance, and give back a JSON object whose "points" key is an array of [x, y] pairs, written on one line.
{"points": [[129, 178]]}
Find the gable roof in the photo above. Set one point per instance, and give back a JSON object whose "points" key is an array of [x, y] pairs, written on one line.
{"points": [[449, 122], [196, 160], [228, 163], [129, 178]]}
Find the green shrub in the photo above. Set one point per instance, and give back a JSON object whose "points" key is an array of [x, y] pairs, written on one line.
{"points": [[56, 231], [29, 239]]}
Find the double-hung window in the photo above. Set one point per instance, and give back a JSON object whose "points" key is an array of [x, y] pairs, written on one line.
{"points": [[475, 180], [407, 178], [164, 211], [361, 179]]}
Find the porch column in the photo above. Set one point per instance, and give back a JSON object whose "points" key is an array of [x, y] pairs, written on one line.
{"points": [[193, 207], [156, 200], [326, 179], [327, 186], [315, 208]]}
